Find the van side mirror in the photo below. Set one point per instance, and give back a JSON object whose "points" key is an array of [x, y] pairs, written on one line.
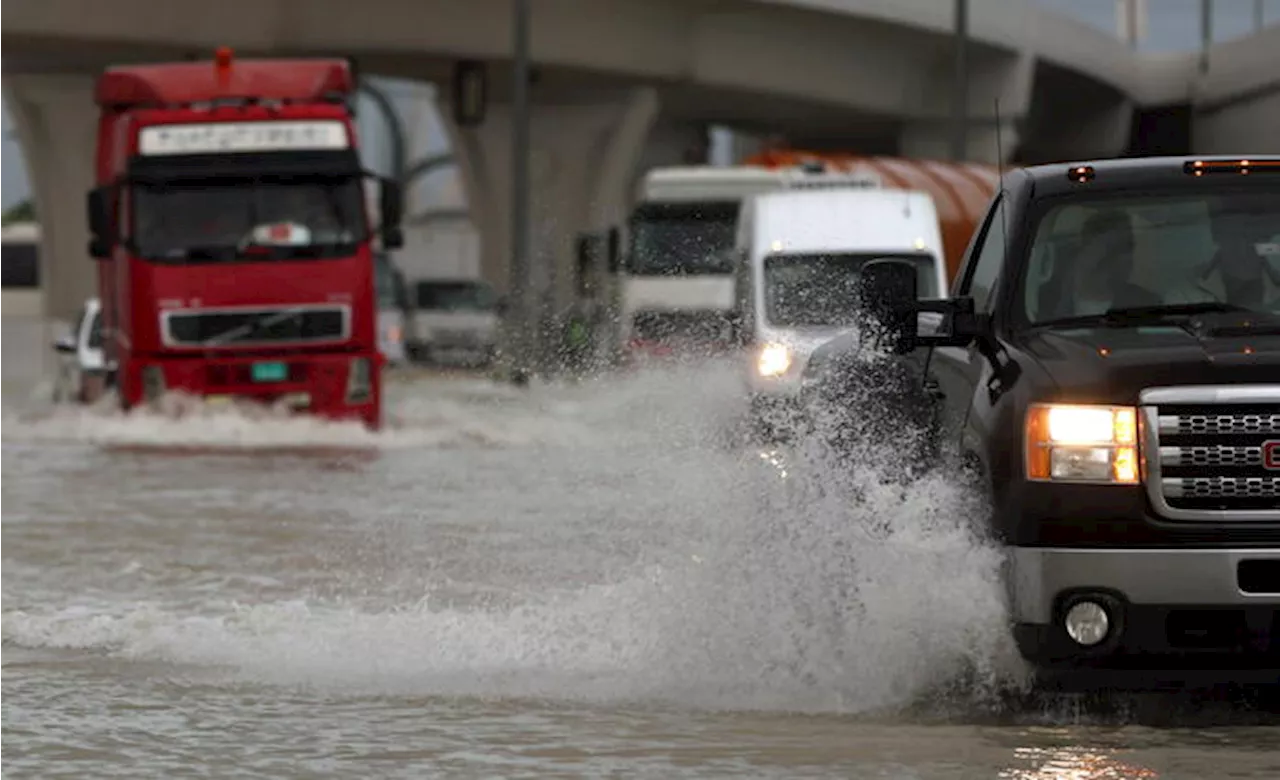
{"points": [[391, 209], [102, 235], [887, 298]]}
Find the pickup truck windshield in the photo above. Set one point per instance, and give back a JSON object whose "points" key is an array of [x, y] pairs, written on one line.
{"points": [[820, 290], [679, 239], [1178, 253], [210, 221]]}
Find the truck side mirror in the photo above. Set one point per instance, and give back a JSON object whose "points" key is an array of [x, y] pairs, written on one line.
{"points": [[887, 299], [391, 209], [102, 236]]}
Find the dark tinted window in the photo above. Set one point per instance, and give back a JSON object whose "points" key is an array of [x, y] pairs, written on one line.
{"points": [[95, 331], [21, 265], [682, 238], [455, 296]]}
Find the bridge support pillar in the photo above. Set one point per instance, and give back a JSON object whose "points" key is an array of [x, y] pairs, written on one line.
{"points": [[585, 153], [57, 125]]}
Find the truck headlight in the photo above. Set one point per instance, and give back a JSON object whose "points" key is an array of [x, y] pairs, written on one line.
{"points": [[1076, 443], [774, 360]]}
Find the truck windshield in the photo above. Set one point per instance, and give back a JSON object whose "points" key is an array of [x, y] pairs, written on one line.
{"points": [[212, 220], [682, 238], [1180, 253], [820, 290]]}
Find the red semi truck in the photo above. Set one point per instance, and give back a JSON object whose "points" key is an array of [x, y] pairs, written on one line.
{"points": [[234, 245]]}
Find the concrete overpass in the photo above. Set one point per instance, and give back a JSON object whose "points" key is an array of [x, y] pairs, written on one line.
{"points": [[621, 85]]}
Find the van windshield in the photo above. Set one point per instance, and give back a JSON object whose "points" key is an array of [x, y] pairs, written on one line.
{"points": [[821, 290]]}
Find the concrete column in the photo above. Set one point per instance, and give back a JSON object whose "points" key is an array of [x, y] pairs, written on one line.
{"points": [[585, 153], [57, 123]]}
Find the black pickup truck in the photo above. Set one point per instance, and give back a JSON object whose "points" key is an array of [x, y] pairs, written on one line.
{"points": [[1108, 370]]}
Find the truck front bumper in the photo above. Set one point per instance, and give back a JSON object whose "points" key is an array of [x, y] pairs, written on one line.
{"points": [[1164, 608], [331, 385]]}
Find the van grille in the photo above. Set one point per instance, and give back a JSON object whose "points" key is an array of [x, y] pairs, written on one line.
{"points": [[256, 326], [1206, 460]]}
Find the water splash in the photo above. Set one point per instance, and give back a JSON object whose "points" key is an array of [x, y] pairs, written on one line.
{"points": [[791, 580]]}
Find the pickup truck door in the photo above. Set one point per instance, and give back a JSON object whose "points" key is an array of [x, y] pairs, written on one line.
{"points": [[955, 373]]}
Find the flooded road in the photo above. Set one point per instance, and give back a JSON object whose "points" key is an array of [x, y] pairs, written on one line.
{"points": [[584, 581]]}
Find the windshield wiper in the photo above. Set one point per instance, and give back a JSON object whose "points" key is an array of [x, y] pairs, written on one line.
{"points": [[250, 327], [1137, 315]]}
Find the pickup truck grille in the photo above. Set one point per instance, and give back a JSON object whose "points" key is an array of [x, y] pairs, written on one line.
{"points": [[1205, 453], [239, 327]]}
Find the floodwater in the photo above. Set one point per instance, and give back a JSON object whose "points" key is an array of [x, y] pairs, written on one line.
{"points": [[583, 581]]}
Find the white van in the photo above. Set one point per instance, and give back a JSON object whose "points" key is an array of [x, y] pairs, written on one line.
{"points": [[799, 257]]}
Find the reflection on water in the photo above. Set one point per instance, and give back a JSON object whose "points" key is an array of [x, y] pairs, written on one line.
{"points": [[1074, 764]]}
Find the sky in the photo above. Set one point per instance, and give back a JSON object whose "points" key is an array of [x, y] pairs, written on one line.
{"points": [[1173, 25]]}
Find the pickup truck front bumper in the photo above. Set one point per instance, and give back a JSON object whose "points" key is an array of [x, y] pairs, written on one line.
{"points": [[1165, 608]]}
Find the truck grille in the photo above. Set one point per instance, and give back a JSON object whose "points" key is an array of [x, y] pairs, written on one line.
{"points": [[239, 327], [1205, 452]]}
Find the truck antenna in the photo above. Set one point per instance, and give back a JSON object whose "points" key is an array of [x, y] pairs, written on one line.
{"points": [[1004, 219]]}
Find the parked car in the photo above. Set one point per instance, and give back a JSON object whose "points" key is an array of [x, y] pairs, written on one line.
{"points": [[83, 372], [455, 322]]}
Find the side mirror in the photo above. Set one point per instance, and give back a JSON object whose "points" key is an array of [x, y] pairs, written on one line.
{"points": [[391, 209], [887, 301], [65, 345], [959, 324], [99, 211]]}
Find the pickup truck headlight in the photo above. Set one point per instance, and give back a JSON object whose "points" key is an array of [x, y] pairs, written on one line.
{"points": [[774, 360], [1076, 443]]}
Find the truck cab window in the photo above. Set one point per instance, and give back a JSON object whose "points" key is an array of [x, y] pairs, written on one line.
{"points": [[983, 276], [211, 219], [680, 239]]}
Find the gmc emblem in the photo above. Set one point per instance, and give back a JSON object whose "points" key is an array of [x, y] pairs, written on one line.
{"points": [[1271, 455]]}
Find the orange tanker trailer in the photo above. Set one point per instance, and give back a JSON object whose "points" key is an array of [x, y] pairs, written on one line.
{"points": [[961, 192]]}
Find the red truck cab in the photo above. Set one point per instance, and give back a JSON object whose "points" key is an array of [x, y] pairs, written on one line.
{"points": [[234, 244]]}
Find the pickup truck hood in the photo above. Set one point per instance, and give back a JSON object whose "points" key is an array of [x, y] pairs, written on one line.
{"points": [[1113, 364]]}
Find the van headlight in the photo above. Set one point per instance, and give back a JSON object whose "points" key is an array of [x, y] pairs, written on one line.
{"points": [[774, 360], [1077, 443]]}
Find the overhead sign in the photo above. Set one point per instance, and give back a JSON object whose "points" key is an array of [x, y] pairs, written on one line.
{"points": [[236, 137]]}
